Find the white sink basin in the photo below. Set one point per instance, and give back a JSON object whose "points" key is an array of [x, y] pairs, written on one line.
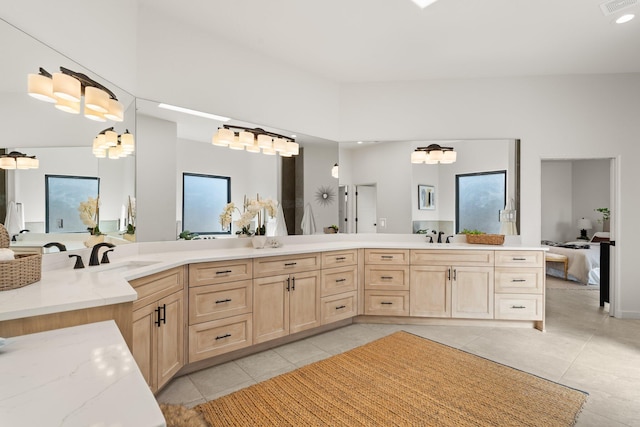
{"points": [[125, 266]]}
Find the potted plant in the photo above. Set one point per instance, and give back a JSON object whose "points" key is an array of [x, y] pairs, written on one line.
{"points": [[90, 216], [606, 214], [253, 208], [332, 229]]}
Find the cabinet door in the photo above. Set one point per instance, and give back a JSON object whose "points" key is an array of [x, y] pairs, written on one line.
{"points": [[472, 292], [270, 308], [430, 291], [304, 301], [144, 343], [170, 337]]}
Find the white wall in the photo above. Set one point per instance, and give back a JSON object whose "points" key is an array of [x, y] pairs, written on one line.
{"points": [[591, 190], [194, 71], [557, 201], [78, 29], [556, 117], [155, 179]]}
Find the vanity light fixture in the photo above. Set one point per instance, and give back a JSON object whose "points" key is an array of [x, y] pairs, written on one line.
{"points": [[17, 160], [423, 3], [255, 141], [434, 154], [334, 171], [67, 88], [109, 144]]}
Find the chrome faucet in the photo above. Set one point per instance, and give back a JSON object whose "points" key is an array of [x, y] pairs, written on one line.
{"points": [[94, 252]]}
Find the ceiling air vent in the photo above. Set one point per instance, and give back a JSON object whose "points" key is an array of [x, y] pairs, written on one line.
{"points": [[613, 6]]}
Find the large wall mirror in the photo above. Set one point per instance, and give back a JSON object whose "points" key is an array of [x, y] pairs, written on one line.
{"points": [[62, 142], [382, 186], [295, 182]]}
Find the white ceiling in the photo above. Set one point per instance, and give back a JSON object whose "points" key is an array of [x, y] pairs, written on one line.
{"points": [[393, 40]]}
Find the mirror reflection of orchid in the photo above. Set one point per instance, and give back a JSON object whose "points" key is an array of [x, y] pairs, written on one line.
{"points": [[131, 216], [90, 215], [258, 208]]}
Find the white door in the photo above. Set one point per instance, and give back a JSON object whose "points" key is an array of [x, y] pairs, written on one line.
{"points": [[366, 213]]}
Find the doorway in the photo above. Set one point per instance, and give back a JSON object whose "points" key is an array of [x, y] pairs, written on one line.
{"points": [[573, 191], [366, 208]]}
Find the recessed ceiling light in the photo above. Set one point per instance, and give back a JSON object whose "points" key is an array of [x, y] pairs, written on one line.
{"points": [[293, 136], [194, 112], [359, 142], [625, 18], [424, 3]]}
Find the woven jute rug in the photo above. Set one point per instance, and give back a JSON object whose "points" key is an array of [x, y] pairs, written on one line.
{"points": [[400, 380]]}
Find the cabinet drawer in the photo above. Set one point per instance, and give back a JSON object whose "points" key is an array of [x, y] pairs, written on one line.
{"points": [[155, 286], [386, 303], [270, 266], [465, 258], [389, 278], [339, 258], [338, 307], [519, 280], [219, 301], [209, 273], [519, 258], [518, 306], [338, 280], [219, 336], [386, 256]]}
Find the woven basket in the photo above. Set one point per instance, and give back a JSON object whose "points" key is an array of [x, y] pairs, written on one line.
{"points": [[22, 271], [485, 239]]}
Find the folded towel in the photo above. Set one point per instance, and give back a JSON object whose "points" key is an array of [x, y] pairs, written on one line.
{"points": [[308, 223], [6, 254], [281, 225]]}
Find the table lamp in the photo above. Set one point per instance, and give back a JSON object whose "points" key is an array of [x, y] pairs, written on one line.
{"points": [[583, 226]]}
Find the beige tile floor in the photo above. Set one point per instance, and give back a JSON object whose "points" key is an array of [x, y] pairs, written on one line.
{"points": [[582, 348]]}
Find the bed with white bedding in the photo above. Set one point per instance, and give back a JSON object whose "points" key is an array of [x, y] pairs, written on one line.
{"points": [[584, 264], [583, 256]]}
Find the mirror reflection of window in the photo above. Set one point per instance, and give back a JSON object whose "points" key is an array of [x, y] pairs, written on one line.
{"points": [[63, 197], [479, 199], [203, 199]]}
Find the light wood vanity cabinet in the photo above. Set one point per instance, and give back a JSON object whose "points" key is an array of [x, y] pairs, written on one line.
{"points": [[158, 326], [220, 307], [386, 282], [454, 283], [285, 303], [520, 282], [339, 286]]}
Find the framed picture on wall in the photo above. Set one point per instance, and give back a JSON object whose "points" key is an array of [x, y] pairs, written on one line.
{"points": [[426, 197]]}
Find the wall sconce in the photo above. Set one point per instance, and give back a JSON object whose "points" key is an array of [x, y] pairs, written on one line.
{"points": [[433, 154], [255, 140], [16, 160], [109, 144], [66, 90], [334, 171]]}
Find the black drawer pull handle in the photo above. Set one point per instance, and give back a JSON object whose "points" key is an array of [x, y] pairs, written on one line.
{"points": [[224, 272], [518, 280], [386, 303], [221, 301], [340, 307], [341, 258], [221, 337], [386, 277], [518, 306], [386, 256], [289, 264], [519, 259], [340, 280]]}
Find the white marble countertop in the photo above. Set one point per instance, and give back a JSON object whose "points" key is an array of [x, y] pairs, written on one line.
{"points": [[80, 376], [65, 289]]}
